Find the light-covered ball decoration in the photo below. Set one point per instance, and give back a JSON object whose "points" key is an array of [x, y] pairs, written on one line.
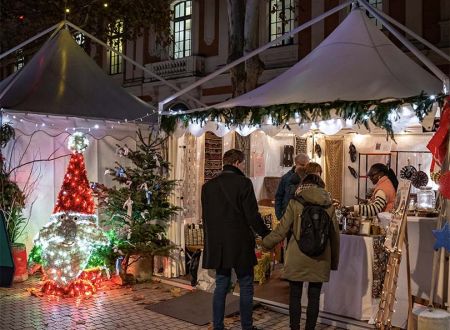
{"points": [[67, 243], [78, 142]]}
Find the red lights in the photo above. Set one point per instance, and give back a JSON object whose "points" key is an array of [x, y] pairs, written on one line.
{"points": [[76, 188], [85, 285]]}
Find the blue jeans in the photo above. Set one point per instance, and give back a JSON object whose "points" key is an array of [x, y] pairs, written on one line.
{"points": [[245, 278]]}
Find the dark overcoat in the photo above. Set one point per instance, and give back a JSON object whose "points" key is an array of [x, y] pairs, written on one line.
{"points": [[230, 217]]}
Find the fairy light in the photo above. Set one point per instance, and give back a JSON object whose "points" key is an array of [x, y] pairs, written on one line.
{"points": [[72, 234]]}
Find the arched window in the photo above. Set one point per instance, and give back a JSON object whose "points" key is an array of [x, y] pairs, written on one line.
{"points": [[182, 23], [282, 14]]}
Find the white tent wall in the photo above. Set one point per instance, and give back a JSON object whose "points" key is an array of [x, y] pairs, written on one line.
{"points": [[101, 154]]}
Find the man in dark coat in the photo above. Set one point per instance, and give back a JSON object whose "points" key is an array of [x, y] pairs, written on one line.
{"points": [[230, 217]]}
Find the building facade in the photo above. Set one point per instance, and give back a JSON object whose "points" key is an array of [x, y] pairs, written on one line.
{"points": [[200, 43]]}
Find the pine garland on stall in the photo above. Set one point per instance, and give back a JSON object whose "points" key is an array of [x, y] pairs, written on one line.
{"points": [[139, 210]]}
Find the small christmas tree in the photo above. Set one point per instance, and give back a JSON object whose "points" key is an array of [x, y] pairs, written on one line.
{"points": [[139, 210], [67, 242]]}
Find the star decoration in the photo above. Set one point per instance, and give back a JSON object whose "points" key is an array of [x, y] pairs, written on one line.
{"points": [[442, 237]]}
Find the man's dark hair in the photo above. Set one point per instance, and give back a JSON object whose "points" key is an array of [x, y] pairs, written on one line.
{"points": [[232, 156], [314, 179]]}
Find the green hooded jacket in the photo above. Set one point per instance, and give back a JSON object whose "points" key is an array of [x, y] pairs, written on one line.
{"points": [[298, 266]]}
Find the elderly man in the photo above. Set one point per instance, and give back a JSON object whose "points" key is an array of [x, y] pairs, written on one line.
{"points": [[289, 183]]}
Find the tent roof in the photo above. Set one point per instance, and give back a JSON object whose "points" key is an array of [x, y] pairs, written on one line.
{"points": [[356, 62], [61, 79]]}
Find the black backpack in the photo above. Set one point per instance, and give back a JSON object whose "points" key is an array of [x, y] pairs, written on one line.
{"points": [[315, 228]]}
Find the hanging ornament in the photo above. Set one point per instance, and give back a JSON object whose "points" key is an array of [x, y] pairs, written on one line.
{"points": [[129, 206], [148, 195], [120, 172], [143, 186], [122, 151], [318, 150], [353, 172], [78, 142], [419, 179], [352, 151], [407, 171], [444, 184], [158, 164]]}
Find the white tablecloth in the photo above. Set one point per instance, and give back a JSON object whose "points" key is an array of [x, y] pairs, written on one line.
{"points": [[349, 292], [421, 241]]}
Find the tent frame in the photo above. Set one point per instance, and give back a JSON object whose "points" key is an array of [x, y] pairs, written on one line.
{"points": [[55, 28], [363, 3]]}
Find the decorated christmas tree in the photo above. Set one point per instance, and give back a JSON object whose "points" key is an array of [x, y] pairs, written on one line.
{"points": [[68, 240], [139, 210]]}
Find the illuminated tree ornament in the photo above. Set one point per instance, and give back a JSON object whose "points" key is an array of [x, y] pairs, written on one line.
{"points": [[78, 142], [72, 234]]}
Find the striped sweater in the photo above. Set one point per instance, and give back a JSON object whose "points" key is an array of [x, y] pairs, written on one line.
{"points": [[382, 199]]}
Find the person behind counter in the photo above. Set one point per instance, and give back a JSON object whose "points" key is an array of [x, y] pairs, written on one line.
{"points": [[383, 196], [300, 267], [289, 183]]}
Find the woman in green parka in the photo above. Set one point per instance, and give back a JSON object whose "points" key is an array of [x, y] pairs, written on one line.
{"points": [[298, 267]]}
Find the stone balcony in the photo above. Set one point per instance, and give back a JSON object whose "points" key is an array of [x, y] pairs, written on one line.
{"points": [[182, 67]]}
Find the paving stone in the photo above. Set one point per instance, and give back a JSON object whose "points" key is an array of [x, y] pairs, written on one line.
{"points": [[108, 309]]}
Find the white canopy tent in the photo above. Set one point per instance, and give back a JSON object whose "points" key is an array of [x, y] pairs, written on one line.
{"points": [[357, 62]]}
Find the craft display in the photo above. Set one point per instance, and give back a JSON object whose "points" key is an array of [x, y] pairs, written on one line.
{"points": [[407, 171], [419, 179], [352, 151], [353, 172], [243, 143], [301, 145], [213, 156], [318, 150], [288, 156]]}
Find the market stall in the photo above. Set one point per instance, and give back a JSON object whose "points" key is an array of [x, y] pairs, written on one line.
{"points": [[355, 89]]}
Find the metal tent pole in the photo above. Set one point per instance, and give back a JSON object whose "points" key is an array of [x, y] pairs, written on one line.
{"points": [[412, 33], [249, 55], [425, 60], [140, 66], [58, 27], [37, 36]]}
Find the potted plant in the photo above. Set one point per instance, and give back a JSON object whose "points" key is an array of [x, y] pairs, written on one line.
{"points": [[139, 210], [12, 202]]}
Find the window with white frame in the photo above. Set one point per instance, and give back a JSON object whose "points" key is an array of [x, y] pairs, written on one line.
{"points": [[80, 38], [115, 41], [378, 4], [20, 60], [181, 29], [281, 19]]}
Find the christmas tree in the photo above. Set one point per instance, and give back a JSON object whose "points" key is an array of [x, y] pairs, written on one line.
{"points": [[66, 243], [139, 209]]}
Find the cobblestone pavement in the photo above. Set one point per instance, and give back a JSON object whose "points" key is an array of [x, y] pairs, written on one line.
{"points": [[110, 308]]}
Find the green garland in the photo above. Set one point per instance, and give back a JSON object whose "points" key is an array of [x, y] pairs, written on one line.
{"points": [[361, 112]]}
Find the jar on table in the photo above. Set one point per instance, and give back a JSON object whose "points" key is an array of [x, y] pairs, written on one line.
{"points": [[426, 198]]}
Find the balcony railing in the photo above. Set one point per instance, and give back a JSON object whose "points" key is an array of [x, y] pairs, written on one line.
{"points": [[182, 67]]}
